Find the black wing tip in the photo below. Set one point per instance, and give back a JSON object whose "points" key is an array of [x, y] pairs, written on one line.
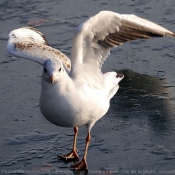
{"points": [[119, 75]]}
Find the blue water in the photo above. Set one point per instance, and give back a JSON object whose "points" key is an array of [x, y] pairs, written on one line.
{"points": [[135, 136]]}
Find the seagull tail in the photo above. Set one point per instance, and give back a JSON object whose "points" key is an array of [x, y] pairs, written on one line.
{"points": [[112, 80]]}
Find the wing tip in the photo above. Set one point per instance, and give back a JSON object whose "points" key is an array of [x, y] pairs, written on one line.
{"points": [[172, 34], [40, 33], [22, 32]]}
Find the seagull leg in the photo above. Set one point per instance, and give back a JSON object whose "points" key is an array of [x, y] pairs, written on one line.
{"points": [[83, 164], [73, 154]]}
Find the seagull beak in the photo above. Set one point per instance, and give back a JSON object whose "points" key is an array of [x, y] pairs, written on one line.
{"points": [[52, 78]]}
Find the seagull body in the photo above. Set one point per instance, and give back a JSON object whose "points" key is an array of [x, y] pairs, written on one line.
{"points": [[75, 92], [72, 103]]}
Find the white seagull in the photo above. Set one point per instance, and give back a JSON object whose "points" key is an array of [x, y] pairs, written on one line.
{"points": [[76, 93]]}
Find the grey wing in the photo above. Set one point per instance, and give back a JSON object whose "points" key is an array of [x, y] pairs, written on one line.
{"points": [[94, 38]]}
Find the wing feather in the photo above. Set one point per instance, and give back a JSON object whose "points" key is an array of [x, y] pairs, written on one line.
{"points": [[30, 43], [94, 38]]}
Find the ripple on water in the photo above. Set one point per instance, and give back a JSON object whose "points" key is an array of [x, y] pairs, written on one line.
{"points": [[47, 149], [170, 156], [23, 139], [160, 150]]}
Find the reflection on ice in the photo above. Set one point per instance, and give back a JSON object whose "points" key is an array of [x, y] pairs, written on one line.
{"points": [[145, 96]]}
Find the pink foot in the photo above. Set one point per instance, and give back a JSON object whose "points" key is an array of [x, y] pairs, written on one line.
{"points": [[80, 165]]}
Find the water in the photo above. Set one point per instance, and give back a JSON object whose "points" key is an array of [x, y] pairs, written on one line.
{"points": [[135, 136]]}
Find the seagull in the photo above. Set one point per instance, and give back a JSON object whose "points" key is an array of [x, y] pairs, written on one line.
{"points": [[75, 92]]}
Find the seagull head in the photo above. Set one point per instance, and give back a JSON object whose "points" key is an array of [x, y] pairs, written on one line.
{"points": [[52, 70]]}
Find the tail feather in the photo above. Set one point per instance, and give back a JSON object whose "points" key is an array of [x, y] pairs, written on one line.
{"points": [[112, 80]]}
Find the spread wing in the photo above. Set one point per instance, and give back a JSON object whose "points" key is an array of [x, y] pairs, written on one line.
{"points": [[30, 43], [94, 38]]}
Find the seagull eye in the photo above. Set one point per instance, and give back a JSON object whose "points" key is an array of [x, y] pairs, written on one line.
{"points": [[60, 69], [45, 70]]}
